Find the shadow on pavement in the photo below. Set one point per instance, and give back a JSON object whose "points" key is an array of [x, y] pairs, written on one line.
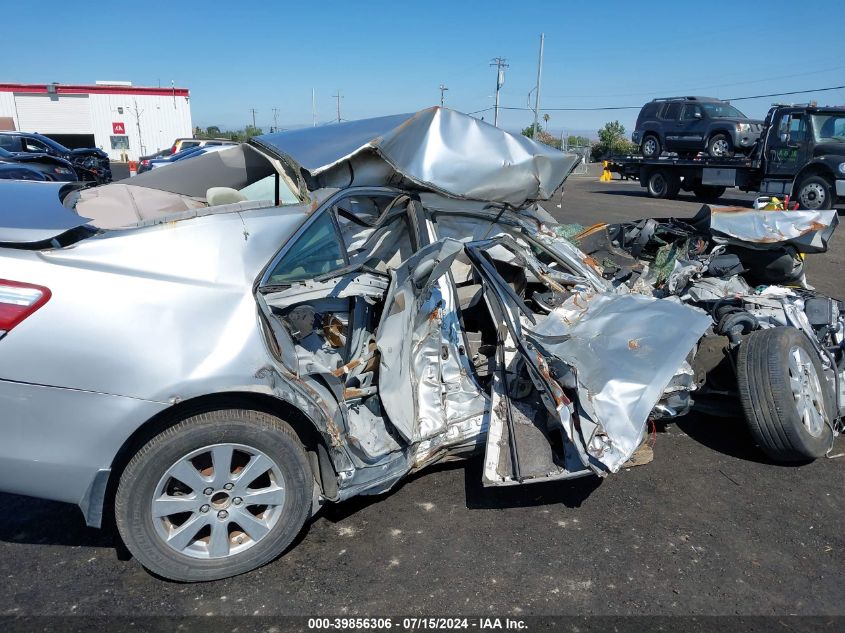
{"points": [[41, 522], [571, 493], [729, 436]]}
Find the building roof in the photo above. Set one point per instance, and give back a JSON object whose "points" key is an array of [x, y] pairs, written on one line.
{"points": [[109, 89]]}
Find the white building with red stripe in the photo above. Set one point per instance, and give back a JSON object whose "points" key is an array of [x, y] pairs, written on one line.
{"points": [[124, 120]]}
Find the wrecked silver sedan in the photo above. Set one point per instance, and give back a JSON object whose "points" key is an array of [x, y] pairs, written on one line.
{"points": [[210, 351]]}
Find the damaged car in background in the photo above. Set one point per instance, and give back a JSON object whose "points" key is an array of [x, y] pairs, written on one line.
{"points": [[317, 313]]}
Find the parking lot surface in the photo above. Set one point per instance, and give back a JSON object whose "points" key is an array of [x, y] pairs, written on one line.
{"points": [[709, 527]]}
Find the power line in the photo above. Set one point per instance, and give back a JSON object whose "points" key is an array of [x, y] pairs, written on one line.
{"points": [[637, 107]]}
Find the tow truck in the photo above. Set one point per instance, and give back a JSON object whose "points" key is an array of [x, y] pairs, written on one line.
{"points": [[800, 153]]}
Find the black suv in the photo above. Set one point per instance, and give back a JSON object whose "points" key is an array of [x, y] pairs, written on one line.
{"points": [[91, 164], [688, 125]]}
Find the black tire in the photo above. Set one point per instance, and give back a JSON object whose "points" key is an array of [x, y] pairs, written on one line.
{"points": [[766, 395], [815, 193], [661, 184], [650, 147], [141, 480], [708, 193], [720, 146]]}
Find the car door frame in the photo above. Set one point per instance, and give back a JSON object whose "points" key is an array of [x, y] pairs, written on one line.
{"points": [[670, 126], [326, 206]]}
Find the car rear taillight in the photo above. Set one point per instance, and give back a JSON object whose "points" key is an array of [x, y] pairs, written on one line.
{"points": [[18, 301], [173, 150], [145, 162]]}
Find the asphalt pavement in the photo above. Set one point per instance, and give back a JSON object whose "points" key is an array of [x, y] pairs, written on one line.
{"points": [[709, 527]]}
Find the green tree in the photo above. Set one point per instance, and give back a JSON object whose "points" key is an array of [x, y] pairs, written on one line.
{"points": [[612, 142], [611, 132], [250, 131], [213, 130]]}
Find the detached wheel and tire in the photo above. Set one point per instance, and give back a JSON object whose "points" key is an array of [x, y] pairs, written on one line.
{"points": [[660, 184], [216, 495], [784, 396], [708, 193], [720, 146], [815, 193], [650, 147]]}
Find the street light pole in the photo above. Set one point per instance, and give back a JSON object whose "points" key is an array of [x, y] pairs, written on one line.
{"points": [[539, 79]]}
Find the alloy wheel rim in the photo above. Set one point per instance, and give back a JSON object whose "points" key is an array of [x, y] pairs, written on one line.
{"points": [[218, 501], [720, 147], [812, 196], [807, 391], [650, 147]]}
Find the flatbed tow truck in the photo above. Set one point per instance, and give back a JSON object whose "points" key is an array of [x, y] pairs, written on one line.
{"points": [[800, 153]]}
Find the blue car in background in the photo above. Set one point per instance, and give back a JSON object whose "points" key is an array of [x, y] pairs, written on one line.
{"points": [[191, 152], [28, 166]]}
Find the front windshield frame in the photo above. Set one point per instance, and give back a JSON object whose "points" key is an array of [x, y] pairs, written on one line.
{"points": [[821, 119], [721, 110]]}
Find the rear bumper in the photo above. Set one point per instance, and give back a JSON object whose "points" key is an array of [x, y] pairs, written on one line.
{"points": [[55, 441]]}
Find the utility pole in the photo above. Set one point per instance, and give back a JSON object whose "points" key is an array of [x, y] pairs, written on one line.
{"points": [[137, 114], [443, 89], [253, 110], [539, 78], [313, 108], [275, 119], [499, 63], [338, 96]]}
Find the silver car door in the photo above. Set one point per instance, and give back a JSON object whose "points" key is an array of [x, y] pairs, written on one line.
{"points": [[426, 382]]}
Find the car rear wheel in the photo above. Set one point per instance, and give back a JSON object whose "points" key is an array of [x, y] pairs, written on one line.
{"points": [[661, 184], [784, 396], [650, 147], [815, 193], [708, 193], [219, 494], [720, 146]]}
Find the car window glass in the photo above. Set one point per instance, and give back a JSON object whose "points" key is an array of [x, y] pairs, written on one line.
{"points": [[829, 127], [649, 110], [35, 146], [719, 110], [317, 251], [187, 144], [265, 189], [383, 247], [10, 143], [672, 111], [689, 112]]}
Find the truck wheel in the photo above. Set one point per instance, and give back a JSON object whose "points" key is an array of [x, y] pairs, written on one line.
{"points": [[708, 193], [786, 401], [720, 146], [219, 494], [650, 147], [662, 185], [815, 193]]}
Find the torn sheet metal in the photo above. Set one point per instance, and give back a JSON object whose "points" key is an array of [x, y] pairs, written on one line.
{"points": [[436, 149], [424, 376], [370, 287], [626, 349], [808, 231]]}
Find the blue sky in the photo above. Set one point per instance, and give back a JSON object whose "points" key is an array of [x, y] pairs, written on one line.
{"points": [[389, 57]]}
